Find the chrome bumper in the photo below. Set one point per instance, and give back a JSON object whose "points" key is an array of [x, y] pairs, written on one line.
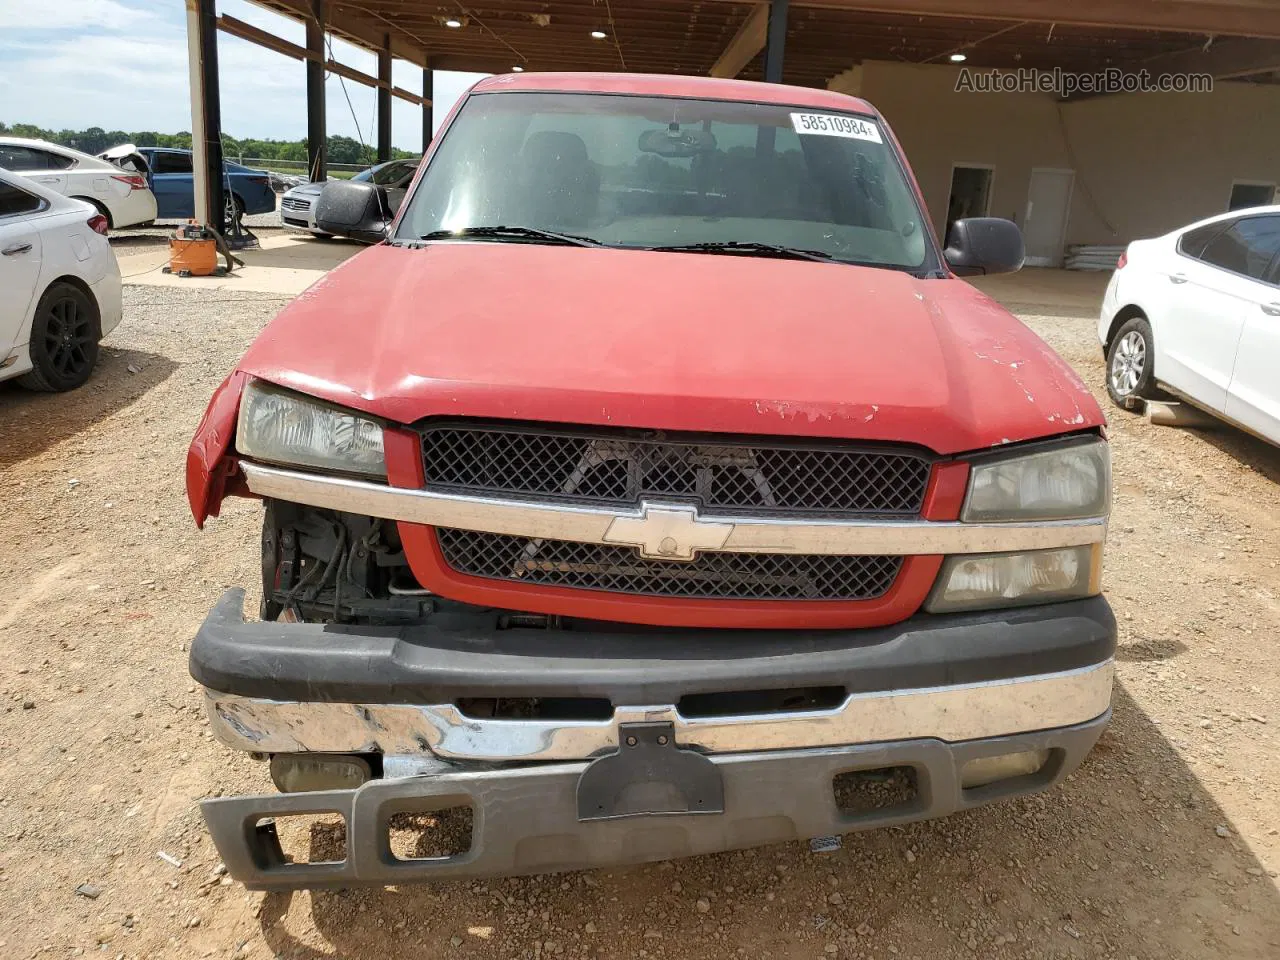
{"points": [[952, 714]]}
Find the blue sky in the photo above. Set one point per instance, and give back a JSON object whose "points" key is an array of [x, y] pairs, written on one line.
{"points": [[122, 65]]}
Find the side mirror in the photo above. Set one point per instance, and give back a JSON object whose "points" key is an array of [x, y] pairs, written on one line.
{"points": [[357, 210], [982, 245]]}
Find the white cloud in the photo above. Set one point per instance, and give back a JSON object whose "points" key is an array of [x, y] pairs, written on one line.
{"points": [[69, 14], [123, 66]]}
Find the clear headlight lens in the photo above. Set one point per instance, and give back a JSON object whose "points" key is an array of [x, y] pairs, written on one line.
{"points": [[1066, 483], [280, 426], [992, 581]]}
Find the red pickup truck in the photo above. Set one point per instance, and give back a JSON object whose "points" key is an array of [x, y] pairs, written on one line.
{"points": [[653, 487]]}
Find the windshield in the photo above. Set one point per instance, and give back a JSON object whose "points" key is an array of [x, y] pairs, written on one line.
{"points": [[393, 174], [665, 172]]}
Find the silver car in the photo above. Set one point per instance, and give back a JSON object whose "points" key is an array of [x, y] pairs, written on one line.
{"points": [[298, 206]]}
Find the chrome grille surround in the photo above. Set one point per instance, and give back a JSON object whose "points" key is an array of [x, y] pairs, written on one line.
{"points": [[525, 517]]}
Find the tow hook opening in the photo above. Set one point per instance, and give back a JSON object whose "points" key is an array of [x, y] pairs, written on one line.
{"points": [[304, 838], [431, 834], [877, 791]]}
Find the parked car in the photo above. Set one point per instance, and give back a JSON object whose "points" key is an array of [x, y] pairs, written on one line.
{"points": [[61, 285], [1196, 313], [284, 182], [169, 173], [297, 207], [124, 198], [654, 488]]}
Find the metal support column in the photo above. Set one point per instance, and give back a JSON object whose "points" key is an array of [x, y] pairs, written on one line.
{"points": [[206, 112], [777, 41], [428, 111], [384, 100], [317, 151]]}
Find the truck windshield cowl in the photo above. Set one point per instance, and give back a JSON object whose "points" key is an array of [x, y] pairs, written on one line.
{"points": [[674, 174]]}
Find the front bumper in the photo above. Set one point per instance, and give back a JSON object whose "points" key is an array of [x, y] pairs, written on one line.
{"points": [[455, 657], [526, 819], [929, 694], [300, 222], [322, 688]]}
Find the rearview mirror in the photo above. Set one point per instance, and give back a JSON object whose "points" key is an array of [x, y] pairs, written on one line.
{"points": [[671, 141], [985, 245], [361, 211]]}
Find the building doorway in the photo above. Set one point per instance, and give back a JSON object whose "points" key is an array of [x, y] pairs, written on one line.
{"points": [[970, 193], [1045, 225]]}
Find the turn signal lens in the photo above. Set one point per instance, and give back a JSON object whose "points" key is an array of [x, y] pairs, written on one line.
{"points": [[993, 581]]}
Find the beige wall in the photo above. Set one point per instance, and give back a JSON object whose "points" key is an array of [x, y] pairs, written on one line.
{"points": [[1144, 163]]}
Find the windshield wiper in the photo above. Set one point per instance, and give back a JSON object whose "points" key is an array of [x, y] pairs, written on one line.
{"points": [[520, 233], [746, 246]]}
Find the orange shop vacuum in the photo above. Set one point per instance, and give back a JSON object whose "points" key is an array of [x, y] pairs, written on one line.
{"points": [[193, 252]]}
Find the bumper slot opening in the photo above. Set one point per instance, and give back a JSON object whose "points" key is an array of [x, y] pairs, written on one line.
{"points": [[535, 708], [876, 791], [788, 700], [305, 838], [430, 834]]}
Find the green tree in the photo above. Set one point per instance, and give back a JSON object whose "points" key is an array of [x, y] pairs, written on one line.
{"points": [[94, 140], [345, 150]]}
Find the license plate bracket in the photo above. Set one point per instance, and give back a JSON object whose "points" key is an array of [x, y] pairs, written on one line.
{"points": [[648, 775]]}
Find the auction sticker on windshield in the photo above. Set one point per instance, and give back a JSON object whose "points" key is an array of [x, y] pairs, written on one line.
{"points": [[835, 125]]}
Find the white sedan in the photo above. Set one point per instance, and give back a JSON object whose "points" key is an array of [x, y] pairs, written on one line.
{"points": [[1196, 313], [122, 196], [59, 286]]}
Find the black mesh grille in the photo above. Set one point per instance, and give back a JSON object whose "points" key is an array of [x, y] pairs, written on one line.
{"points": [[622, 469], [720, 576]]}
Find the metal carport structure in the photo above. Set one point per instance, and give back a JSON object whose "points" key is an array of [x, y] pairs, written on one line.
{"points": [[726, 38]]}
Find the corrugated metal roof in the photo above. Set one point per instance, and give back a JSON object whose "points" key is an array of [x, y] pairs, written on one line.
{"points": [[824, 37]]}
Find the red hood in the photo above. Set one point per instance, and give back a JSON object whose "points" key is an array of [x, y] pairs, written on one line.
{"points": [[727, 344]]}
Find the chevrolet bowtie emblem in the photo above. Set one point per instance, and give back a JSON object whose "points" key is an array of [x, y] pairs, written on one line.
{"points": [[668, 532]]}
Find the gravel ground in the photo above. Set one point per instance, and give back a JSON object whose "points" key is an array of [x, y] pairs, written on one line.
{"points": [[1164, 845]]}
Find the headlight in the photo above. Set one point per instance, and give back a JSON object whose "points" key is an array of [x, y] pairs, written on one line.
{"points": [[992, 581], [1063, 483], [280, 426]]}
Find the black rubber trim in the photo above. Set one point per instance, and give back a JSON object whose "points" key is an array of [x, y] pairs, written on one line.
{"points": [[436, 664]]}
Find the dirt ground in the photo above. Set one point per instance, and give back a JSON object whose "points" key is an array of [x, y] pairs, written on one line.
{"points": [[1164, 845]]}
